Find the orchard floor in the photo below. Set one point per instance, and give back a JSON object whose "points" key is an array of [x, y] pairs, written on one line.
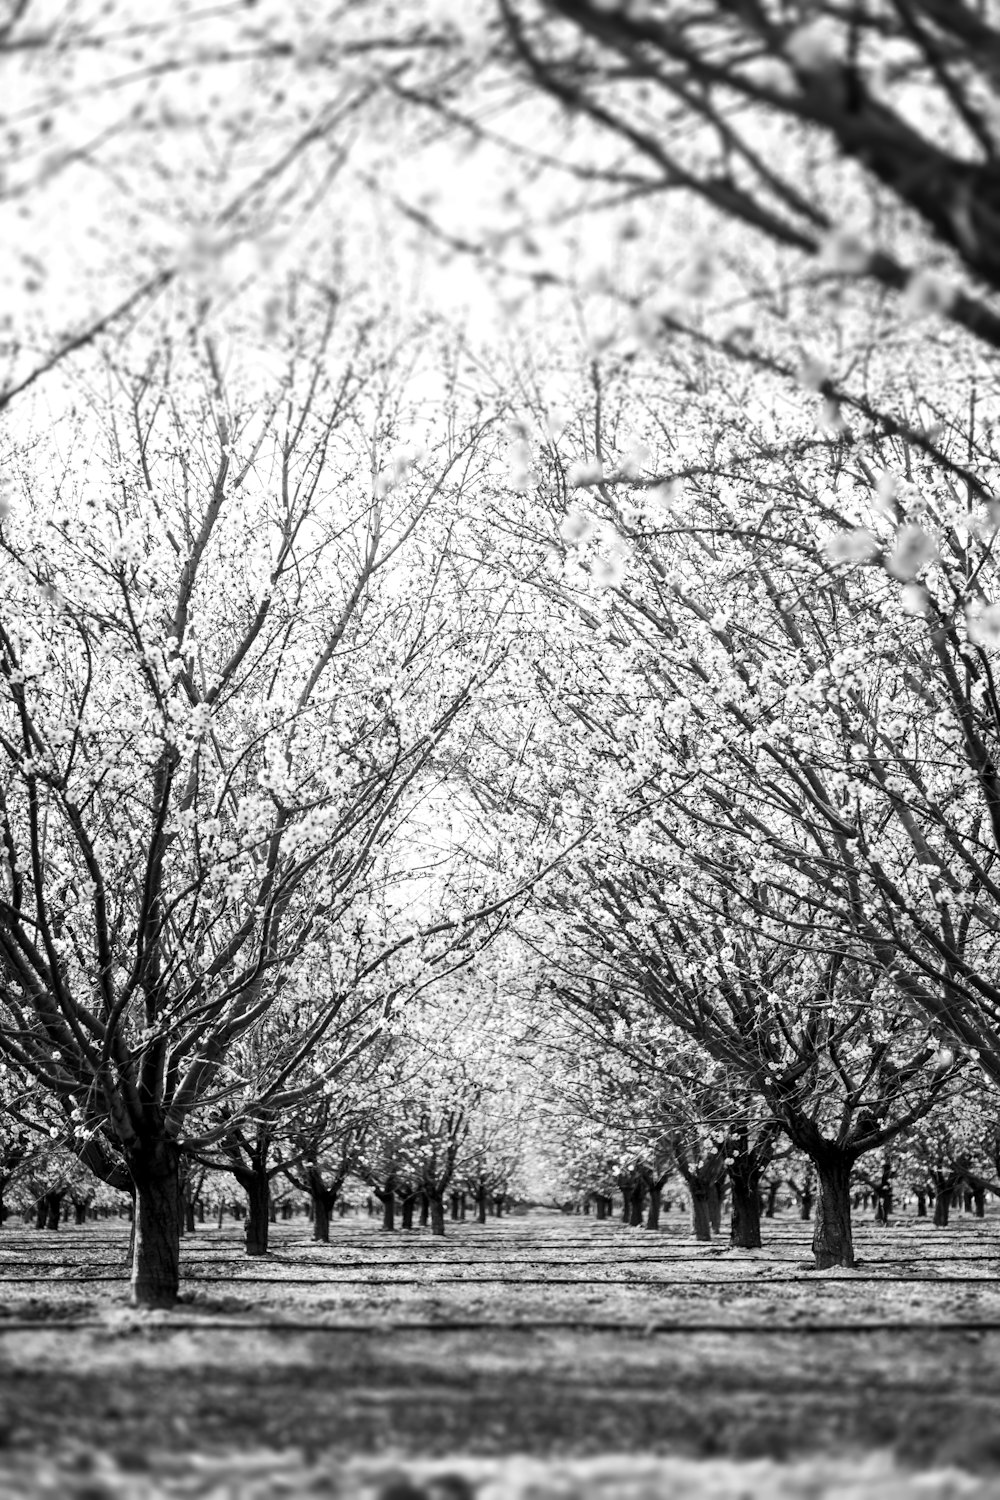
{"points": [[541, 1356]]}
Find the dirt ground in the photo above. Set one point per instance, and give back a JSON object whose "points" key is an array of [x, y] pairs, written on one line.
{"points": [[536, 1356]]}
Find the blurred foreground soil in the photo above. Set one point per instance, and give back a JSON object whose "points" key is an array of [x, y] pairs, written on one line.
{"points": [[610, 1362]]}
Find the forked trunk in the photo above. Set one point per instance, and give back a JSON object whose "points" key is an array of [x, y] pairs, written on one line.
{"points": [[833, 1242], [155, 1277]]}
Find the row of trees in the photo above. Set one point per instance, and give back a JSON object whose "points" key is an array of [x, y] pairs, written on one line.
{"points": [[337, 643]]}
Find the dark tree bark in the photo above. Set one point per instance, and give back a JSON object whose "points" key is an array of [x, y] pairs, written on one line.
{"points": [[701, 1182], [945, 1187], [387, 1198], [437, 1213], [54, 1217], [833, 1241], [320, 1216], [744, 1224], [715, 1194], [257, 1186], [155, 1276], [700, 1216], [748, 1160], [322, 1198]]}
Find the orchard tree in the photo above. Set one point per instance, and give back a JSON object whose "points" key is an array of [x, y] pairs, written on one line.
{"points": [[784, 676], [228, 656]]}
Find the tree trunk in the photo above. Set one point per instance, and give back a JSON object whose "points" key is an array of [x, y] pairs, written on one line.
{"points": [[942, 1207], [388, 1199], [635, 1214], [653, 1217], [773, 1189], [80, 1212], [437, 1213], [700, 1219], [155, 1277], [406, 1210], [744, 1223], [257, 1187], [833, 1243], [424, 1209], [921, 1205], [481, 1206], [715, 1192], [320, 1215], [979, 1202]]}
